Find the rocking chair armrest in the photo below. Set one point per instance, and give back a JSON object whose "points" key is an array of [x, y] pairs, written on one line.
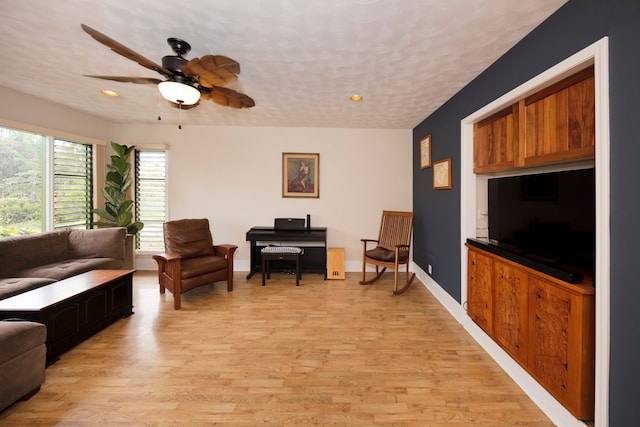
{"points": [[365, 241]]}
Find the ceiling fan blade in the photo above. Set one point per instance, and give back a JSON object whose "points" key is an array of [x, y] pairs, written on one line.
{"points": [[137, 80], [213, 70], [125, 51], [228, 98]]}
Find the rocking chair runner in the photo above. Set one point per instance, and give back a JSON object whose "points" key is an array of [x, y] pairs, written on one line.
{"points": [[392, 249]]}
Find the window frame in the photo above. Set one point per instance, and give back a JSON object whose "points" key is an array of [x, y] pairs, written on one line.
{"points": [[150, 224], [49, 167]]}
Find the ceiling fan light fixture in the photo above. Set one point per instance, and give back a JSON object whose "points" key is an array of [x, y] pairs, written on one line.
{"points": [[179, 93], [109, 92], [356, 97]]}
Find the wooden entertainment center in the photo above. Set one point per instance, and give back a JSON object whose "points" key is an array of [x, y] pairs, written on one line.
{"points": [[545, 324]]}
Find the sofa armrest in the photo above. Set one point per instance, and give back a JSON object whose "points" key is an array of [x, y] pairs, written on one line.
{"points": [[166, 257], [168, 269], [225, 250], [98, 243]]}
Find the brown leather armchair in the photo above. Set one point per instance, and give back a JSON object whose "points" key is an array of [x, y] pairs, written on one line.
{"points": [[191, 259]]}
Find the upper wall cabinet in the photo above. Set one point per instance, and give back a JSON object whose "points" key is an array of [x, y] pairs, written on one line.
{"points": [[560, 121], [554, 125], [495, 141]]}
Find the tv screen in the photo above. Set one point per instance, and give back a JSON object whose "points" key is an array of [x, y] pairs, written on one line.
{"points": [[550, 216]]}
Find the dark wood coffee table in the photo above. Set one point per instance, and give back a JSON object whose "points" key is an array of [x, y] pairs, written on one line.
{"points": [[74, 309]]}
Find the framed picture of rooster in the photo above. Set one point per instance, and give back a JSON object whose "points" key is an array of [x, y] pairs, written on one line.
{"points": [[301, 175]]}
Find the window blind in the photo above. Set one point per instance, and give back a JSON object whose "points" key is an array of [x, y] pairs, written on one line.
{"points": [[150, 197], [72, 184]]}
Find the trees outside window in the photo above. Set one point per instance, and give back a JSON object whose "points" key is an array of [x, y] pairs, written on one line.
{"points": [[22, 182], [26, 204]]}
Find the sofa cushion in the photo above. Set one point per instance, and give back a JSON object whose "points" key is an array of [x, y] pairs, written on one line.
{"points": [[20, 252], [192, 267], [20, 336], [11, 286], [386, 255], [97, 243], [22, 360], [70, 267]]}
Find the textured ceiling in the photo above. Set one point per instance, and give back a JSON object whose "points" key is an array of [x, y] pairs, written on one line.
{"points": [[300, 60]]}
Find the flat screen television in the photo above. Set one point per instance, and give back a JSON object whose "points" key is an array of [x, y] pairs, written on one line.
{"points": [[549, 217]]}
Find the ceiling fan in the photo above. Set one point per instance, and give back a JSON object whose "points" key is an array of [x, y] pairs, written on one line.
{"points": [[186, 81]]}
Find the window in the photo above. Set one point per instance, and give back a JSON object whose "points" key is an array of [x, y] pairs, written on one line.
{"points": [[22, 182], [28, 162], [150, 197], [72, 184]]}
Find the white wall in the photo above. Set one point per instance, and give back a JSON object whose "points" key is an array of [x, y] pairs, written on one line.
{"points": [[29, 113], [233, 176]]}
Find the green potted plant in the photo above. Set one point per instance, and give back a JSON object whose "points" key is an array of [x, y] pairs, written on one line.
{"points": [[118, 209]]}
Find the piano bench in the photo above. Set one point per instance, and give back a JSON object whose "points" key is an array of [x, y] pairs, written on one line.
{"points": [[280, 253]]}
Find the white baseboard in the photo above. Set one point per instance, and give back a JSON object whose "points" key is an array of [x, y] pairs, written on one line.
{"points": [[545, 401]]}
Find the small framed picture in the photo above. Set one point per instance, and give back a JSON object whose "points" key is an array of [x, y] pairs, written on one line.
{"points": [[301, 175], [442, 174], [425, 152]]}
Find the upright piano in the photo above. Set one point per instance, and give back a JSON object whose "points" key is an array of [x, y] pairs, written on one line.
{"points": [[313, 240]]}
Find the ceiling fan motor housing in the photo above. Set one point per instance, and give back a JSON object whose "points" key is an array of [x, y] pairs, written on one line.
{"points": [[174, 63]]}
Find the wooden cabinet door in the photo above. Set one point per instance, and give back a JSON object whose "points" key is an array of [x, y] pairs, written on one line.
{"points": [[561, 345], [510, 321], [560, 121], [479, 290], [495, 141]]}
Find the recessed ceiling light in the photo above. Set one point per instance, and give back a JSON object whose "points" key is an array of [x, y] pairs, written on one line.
{"points": [[109, 92], [356, 97]]}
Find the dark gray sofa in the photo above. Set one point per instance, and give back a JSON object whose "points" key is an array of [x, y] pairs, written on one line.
{"points": [[31, 261]]}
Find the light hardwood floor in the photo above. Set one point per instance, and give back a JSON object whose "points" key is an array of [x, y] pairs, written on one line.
{"points": [[325, 353]]}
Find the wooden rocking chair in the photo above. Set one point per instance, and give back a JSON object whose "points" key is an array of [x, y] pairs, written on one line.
{"points": [[392, 249]]}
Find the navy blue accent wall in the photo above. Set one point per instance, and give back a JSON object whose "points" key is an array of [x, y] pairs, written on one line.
{"points": [[573, 27]]}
